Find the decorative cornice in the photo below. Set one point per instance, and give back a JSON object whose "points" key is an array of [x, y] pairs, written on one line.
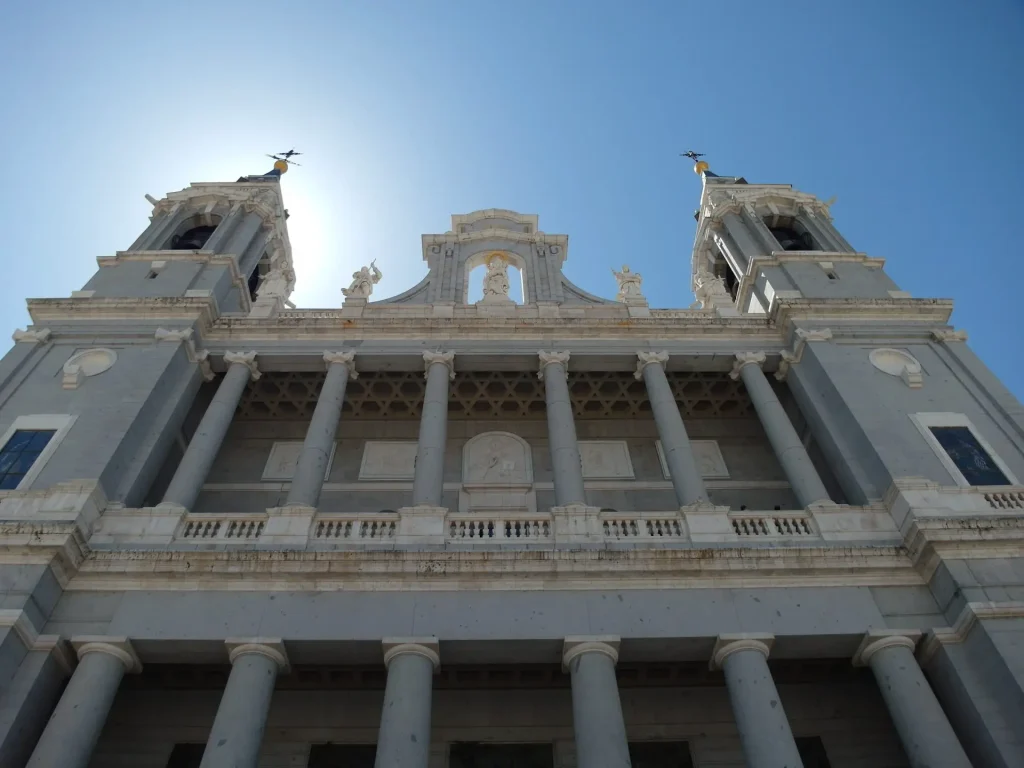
{"points": [[970, 614], [726, 645], [248, 359], [191, 308], [746, 358], [185, 336], [272, 648], [786, 311], [803, 336], [876, 640], [427, 647], [119, 647], [649, 358], [446, 359], [18, 620], [36, 336], [553, 358], [948, 334], [348, 359], [577, 645]]}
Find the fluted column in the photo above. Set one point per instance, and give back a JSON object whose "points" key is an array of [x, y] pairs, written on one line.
{"points": [[596, 710], [789, 449], [428, 481], [74, 727], [927, 737], [675, 443], [316, 449], [202, 450], [404, 737], [237, 731], [566, 464], [764, 730]]}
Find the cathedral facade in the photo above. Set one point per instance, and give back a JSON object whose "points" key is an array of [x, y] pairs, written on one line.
{"points": [[782, 527]]}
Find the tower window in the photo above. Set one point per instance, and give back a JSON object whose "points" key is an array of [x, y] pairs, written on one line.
{"points": [[262, 268], [20, 453], [790, 234], [191, 239], [970, 457]]}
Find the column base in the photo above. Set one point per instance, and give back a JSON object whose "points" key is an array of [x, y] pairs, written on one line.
{"points": [[422, 525], [577, 524], [708, 523], [288, 526]]}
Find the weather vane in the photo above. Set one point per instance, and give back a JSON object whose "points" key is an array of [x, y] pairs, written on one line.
{"points": [[286, 157], [699, 166]]}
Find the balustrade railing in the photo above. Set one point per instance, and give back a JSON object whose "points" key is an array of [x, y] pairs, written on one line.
{"points": [[226, 528], [642, 525], [766, 525], [479, 527], [372, 527]]}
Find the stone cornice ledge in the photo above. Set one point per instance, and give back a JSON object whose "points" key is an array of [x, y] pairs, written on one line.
{"points": [[969, 616], [933, 312], [929, 540], [203, 309], [515, 570]]}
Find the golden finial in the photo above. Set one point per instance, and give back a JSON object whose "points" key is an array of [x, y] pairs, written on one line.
{"points": [[699, 166]]}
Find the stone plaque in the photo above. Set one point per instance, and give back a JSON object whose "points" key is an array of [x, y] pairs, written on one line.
{"points": [[606, 459], [388, 460], [497, 458], [709, 459], [284, 456]]}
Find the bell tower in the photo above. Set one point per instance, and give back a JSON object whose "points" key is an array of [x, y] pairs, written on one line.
{"points": [[212, 239], [757, 243]]}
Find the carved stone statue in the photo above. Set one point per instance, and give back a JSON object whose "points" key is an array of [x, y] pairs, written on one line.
{"points": [[363, 282], [274, 285], [629, 285], [710, 287], [496, 283]]}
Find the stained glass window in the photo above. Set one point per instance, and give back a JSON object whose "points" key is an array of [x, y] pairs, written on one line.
{"points": [[20, 453], [970, 458]]}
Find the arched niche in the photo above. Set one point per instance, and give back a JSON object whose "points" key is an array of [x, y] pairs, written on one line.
{"points": [[481, 258], [497, 474]]}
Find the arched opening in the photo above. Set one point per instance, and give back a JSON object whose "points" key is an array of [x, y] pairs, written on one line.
{"points": [[494, 278], [790, 234], [192, 234], [256, 276], [722, 269]]}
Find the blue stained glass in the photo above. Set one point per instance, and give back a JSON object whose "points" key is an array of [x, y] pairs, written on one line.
{"points": [[7, 461], [39, 441], [970, 458], [20, 440], [9, 482]]}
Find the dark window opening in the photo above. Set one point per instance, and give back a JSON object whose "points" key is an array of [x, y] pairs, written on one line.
{"points": [[724, 271], [790, 234], [20, 453], [831, 274], [192, 239], [970, 458], [812, 752], [348, 755], [151, 275], [186, 756], [256, 276], [660, 754], [471, 755]]}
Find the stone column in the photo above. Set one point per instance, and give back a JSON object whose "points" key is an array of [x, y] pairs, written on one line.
{"points": [[404, 737], [596, 711], [428, 481], [789, 449], [927, 736], [316, 449], [202, 450], [237, 731], [71, 734], [675, 443], [566, 464], [764, 730]]}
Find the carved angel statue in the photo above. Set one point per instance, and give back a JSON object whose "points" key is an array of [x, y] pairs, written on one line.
{"points": [[363, 282], [629, 284], [496, 280], [274, 285], [708, 286]]}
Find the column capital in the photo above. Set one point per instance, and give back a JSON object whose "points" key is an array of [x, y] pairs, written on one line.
{"points": [[427, 647], [348, 359], [118, 647], [549, 358], [37, 336], [248, 359], [271, 647], [746, 358], [876, 640], [649, 358], [446, 359], [577, 645], [726, 645]]}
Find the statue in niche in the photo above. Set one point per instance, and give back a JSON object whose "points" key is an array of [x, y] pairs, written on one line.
{"points": [[274, 285], [629, 285], [363, 282], [709, 286], [496, 285]]}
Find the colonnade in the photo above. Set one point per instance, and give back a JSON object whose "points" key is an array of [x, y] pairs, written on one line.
{"points": [[567, 468], [403, 739]]}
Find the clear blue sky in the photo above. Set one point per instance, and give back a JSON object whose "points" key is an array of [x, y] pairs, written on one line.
{"points": [[910, 113]]}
